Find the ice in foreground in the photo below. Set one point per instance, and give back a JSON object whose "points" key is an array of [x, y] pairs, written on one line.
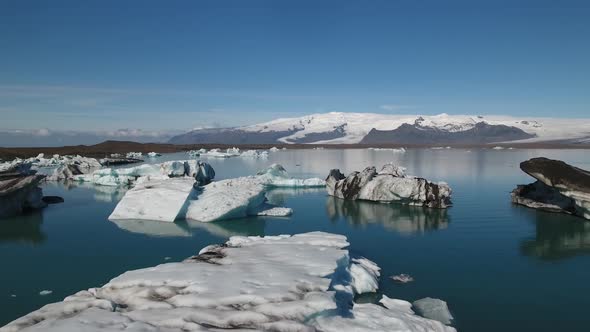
{"points": [[275, 283]]}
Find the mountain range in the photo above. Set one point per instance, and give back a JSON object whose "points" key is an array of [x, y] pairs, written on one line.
{"points": [[371, 128]]}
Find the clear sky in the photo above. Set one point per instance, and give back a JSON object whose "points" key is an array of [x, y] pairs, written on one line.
{"points": [[97, 65]]}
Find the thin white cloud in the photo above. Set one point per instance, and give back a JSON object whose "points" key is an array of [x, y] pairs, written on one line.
{"points": [[395, 107]]}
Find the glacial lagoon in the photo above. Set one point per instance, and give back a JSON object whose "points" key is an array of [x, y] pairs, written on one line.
{"points": [[497, 265]]}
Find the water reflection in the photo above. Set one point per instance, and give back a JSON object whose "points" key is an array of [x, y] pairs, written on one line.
{"points": [[279, 196], [226, 228], [105, 194], [557, 237], [23, 229], [182, 228], [403, 219], [154, 228]]}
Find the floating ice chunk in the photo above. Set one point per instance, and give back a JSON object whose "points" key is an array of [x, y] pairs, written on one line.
{"points": [[153, 154], [498, 148], [365, 275], [273, 149], [276, 176], [175, 168], [134, 155], [226, 199], [372, 317], [276, 212], [160, 200], [45, 292], [433, 309], [254, 154], [388, 185], [402, 278]]}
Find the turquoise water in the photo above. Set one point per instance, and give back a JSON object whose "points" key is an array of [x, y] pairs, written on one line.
{"points": [[500, 267]]}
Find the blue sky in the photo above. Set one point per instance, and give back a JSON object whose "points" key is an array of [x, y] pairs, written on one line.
{"points": [[102, 65]]}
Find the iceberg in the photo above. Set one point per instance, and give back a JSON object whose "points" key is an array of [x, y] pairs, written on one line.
{"points": [[226, 199], [559, 187], [134, 155], [273, 283], [159, 199], [19, 190], [276, 176], [388, 185]]}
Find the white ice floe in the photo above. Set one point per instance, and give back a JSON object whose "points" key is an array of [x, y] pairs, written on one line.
{"points": [[226, 199], [45, 292], [254, 154], [365, 275], [153, 154], [274, 283], [276, 176], [498, 148], [159, 199], [275, 212], [134, 155]]}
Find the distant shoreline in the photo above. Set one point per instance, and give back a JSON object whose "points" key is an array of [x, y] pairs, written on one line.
{"points": [[106, 148]]}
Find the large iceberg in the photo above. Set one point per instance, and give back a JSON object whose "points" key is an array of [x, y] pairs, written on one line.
{"points": [[226, 199], [390, 184], [273, 283], [19, 190], [559, 187], [160, 199]]}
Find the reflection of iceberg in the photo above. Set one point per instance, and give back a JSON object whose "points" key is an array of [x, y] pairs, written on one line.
{"points": [[224, 229], [279, 195], [101, 193], [154, 227], [227, 228], [558, 238], [24, 229], [400, 218]]}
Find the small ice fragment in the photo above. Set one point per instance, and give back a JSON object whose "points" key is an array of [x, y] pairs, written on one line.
{"points": [[45, 292], [167, 258], [402, 278], [12, 295]]}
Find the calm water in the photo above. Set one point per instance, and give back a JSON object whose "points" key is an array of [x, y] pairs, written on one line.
{"points": [[500, 267]]}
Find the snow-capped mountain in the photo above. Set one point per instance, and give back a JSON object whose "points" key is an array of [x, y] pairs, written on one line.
{"points": [[370, 128]]}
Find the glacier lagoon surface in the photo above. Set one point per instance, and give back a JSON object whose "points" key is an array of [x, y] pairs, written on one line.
{"points": [[498, 266]]}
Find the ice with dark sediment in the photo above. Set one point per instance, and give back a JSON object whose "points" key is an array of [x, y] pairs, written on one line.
{"points": [[390, 184]]}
